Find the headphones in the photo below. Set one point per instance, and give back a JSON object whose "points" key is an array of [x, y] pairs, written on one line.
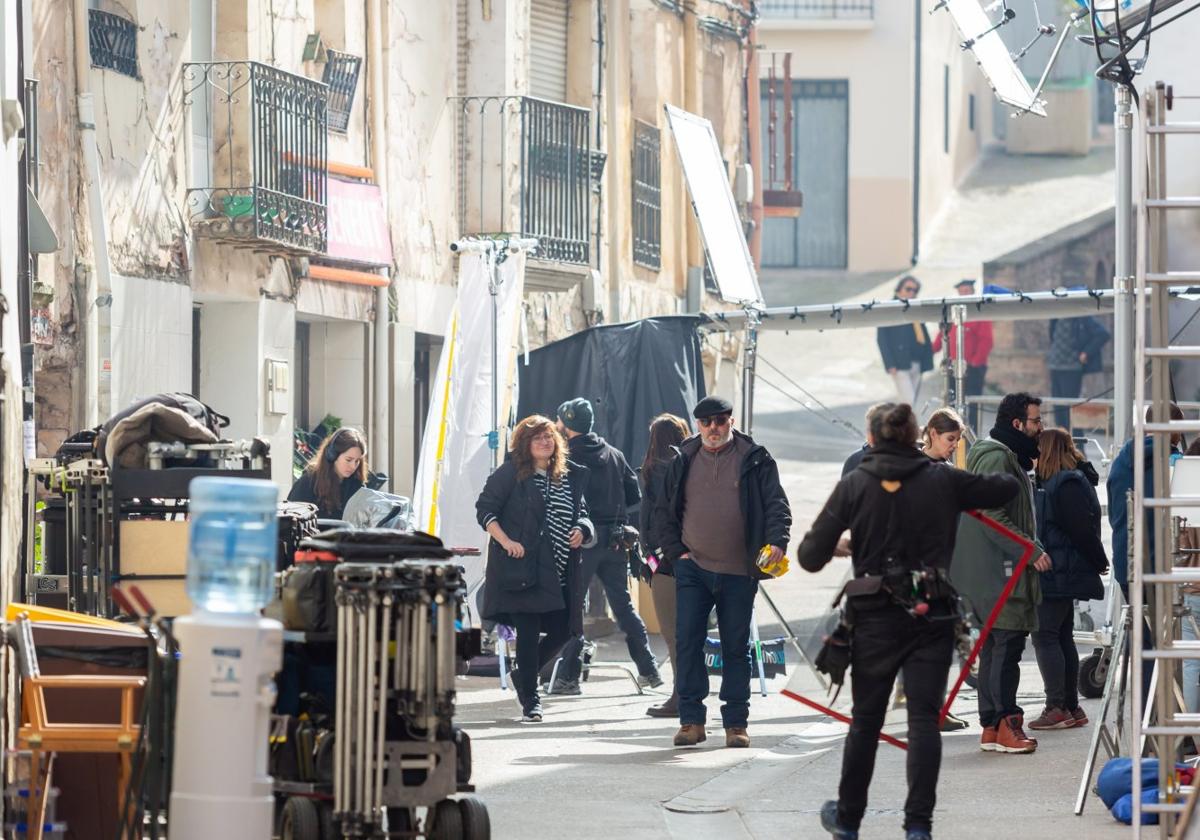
{"points": [[331, 453]]}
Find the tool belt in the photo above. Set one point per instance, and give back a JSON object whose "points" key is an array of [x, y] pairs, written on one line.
{"points": [[916, 591]]}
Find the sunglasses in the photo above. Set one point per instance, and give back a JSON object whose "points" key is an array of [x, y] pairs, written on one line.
{"points": [[912, 289], [718, 421]]}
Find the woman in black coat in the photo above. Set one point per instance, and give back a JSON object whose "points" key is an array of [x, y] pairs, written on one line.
{"points": [[666, 433], [533, 509], [1068, 516], [334, 475]]}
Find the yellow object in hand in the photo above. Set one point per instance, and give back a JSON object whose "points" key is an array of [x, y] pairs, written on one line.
{"points": [[778, 568]]}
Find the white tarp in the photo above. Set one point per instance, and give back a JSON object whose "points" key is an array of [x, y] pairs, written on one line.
{"points": [[455, 458]]}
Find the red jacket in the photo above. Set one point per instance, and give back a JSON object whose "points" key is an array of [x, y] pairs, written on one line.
{"points": [[977, 343]]}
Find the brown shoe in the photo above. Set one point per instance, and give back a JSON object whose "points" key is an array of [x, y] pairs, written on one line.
{"points": [[690, 734], [1079, 716], [1010, 736], [987, 741], [737, 737], [1053, 717]]}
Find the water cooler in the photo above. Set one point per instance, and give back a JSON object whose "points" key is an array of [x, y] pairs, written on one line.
{"points": [[229, 655]]}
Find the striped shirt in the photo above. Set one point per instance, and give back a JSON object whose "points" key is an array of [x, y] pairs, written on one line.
{"points": [[560, 519]]}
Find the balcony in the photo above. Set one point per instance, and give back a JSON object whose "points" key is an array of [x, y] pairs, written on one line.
{"points": [[781, 13], [259, 168], [526, 167]]}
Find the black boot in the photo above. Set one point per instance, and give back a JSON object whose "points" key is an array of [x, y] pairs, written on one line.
{"points": [[668, 709]]}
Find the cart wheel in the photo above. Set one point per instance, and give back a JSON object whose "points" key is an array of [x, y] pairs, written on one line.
{"points": [[329, 827], [477, 825], [462, 757], [1092, 672], [300, 820], [445, 821]]}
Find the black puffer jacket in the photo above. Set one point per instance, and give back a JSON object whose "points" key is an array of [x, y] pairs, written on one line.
{"points": [[765, 509], [1068, 516], [612, 486], [530, 584], [899, 504]]}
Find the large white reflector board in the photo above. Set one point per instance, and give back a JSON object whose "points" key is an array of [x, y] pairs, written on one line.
{"points": [[716, 210], [992, 55]]}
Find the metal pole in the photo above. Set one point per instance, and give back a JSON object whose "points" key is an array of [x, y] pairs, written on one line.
{"points": [[494, 290], [1123, 374], [959, 315], [748, 368]]}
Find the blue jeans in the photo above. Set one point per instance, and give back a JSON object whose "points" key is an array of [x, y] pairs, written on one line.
{"points": [[696, 593]]}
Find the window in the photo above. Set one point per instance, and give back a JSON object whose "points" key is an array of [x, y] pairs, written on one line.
{"points": [[946, 108], [341, 74], [113, 42], [647, 196]]}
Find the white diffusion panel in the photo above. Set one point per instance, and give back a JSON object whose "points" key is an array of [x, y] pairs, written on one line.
{"points": [[1002, 73], [716, 210]]}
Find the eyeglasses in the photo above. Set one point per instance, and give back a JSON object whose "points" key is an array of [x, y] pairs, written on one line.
{"points": [[1037, 420], [545, 437], [718, 421], [912, 289]]}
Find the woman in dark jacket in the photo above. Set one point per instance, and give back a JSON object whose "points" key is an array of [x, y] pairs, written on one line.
{"points": [[902, 509], [905, 349], [533, 509], [1068, 516], [335, 473], [666, 432]]}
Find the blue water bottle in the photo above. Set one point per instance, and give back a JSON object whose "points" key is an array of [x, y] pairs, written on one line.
{"points": [[232, 538]]}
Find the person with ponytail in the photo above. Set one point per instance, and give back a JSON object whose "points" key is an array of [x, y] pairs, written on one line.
{"points": [[902, 510]]}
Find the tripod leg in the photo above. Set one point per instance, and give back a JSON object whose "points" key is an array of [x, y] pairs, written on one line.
{"points": [[1114, 684]]}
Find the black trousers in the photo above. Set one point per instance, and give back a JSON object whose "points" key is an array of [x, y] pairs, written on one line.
{"points": [[612, 568], [1000, 675], [1065, 383], [888, 641], [1057, 656], [540, 636]]}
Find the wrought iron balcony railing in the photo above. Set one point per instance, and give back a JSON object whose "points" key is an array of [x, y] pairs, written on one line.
{"points": [[112, 42], [262, 157], [817, 9], [526, 166]]}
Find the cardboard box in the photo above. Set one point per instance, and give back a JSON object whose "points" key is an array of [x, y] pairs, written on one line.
{"points": [[157, 547]]}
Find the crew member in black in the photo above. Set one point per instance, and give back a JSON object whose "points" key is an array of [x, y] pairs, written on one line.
{"points": [[612, 489], [335, 473], [902, 511]]}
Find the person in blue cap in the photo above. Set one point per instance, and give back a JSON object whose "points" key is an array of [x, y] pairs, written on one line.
{"points": [[721, 504], [611, 491]]}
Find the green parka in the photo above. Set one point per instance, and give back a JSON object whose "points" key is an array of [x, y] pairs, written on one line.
{"points": [[984, 559]]}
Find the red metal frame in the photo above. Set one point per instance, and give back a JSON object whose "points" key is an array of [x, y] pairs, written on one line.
{"points": [[1026, 556]]}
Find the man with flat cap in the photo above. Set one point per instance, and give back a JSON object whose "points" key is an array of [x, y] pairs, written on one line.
{"points": [[977, 346], [721, 504]]}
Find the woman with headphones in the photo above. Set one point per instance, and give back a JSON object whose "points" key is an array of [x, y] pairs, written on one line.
{"points": [[334, 474]]}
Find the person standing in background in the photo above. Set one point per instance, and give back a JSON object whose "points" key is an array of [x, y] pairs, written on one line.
{"points": [[1075, 345], [978, 340], [906, 350], [667, 432]]}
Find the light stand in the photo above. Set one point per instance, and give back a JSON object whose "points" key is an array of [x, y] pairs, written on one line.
{"points": [[749, 364]]}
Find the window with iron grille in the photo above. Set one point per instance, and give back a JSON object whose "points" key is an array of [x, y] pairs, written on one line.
{"points": [[647, 196], [341, 74], [112, 41]]}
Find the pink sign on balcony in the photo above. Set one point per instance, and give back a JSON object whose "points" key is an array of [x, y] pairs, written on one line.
{"points": [[358, 230]]}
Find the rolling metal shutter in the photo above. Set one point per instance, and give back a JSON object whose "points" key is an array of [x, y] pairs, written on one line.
{"points": [[548, 49]]}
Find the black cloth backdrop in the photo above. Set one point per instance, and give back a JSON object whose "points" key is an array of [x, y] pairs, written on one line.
{"points": [[630, 373]]}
